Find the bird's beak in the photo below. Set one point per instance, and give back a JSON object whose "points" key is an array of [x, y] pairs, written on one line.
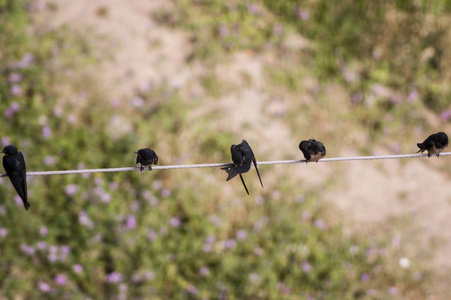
{"points": [[135, 152]]}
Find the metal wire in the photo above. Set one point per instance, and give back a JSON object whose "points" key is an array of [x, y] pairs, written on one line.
{"points": [[278, 162]]}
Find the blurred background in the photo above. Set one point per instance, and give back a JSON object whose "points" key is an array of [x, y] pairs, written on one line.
{"points": [[84, 84]]}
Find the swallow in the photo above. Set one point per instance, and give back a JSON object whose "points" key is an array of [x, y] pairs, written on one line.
{"points": [[434, 144], [312, 150], [146, 157], [15, 168], [242, 157]]}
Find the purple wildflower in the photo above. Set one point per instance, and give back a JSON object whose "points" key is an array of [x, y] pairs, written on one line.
{"points": [[64, 252], [192, 290], [41, 246], [277, 29], [204, 271], [114, 277], [229, 244], [356, 98], [46, 132], [16, 90], [393, 290], [365, 277], [260, 224], [84, 219], [152, 235], [27, 249], [153, 201], [44, 287], [71, 189], [223, 30], [320, 224], [149, 275], [214, 219], [15, 77], [123, 288], [145, 86], [446, 115], [303, 14], [413, 96], [49, 160], [175, 222], [15, 106], [130, 222], [165, 193], [306, 266], [259, 200], [115, 102], [58, 111], [53, 249], [43, 231], [396, 98], [6, 141], [300, 198], [353, 249], [71, 119], [258, 251], [241, 235], [25, 61], [60, 279], [138, 102], [18, 200], [275, 195], [135, 206], [77, 268], [207, 248], [252, 8], [253, 277], [3, 232], [98, 181], [113, 185], [105, 198], [157, 185], [9, 112]]}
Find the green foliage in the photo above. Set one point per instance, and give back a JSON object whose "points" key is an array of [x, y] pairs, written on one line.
{"points": [[176, 236]]}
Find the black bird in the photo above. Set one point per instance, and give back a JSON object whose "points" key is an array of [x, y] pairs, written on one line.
{"points": [[312, 150], [15, 168], [434, 144], [146, 157], [242, 157]]}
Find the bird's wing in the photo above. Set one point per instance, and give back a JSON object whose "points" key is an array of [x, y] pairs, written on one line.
{"points": [[12, 167]]}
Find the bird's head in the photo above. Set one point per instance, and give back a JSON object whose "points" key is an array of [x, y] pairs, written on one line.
{"points": [[10, 150]]}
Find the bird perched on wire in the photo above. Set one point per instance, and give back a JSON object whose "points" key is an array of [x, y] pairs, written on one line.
{"points": [[242, 157], [15, 168], [312, 150], [146, 157], [434, 144]]}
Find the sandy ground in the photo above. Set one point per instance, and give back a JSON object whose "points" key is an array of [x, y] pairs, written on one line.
{"points": [[370, 193]]}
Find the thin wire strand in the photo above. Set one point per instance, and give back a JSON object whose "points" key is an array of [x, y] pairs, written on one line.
{"points": [[277, 162]]}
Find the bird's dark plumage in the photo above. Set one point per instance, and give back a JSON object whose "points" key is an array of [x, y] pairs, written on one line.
{"points": [[242, 157], [146, 157], [434, 144], [14, 164], [312, 150]]}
